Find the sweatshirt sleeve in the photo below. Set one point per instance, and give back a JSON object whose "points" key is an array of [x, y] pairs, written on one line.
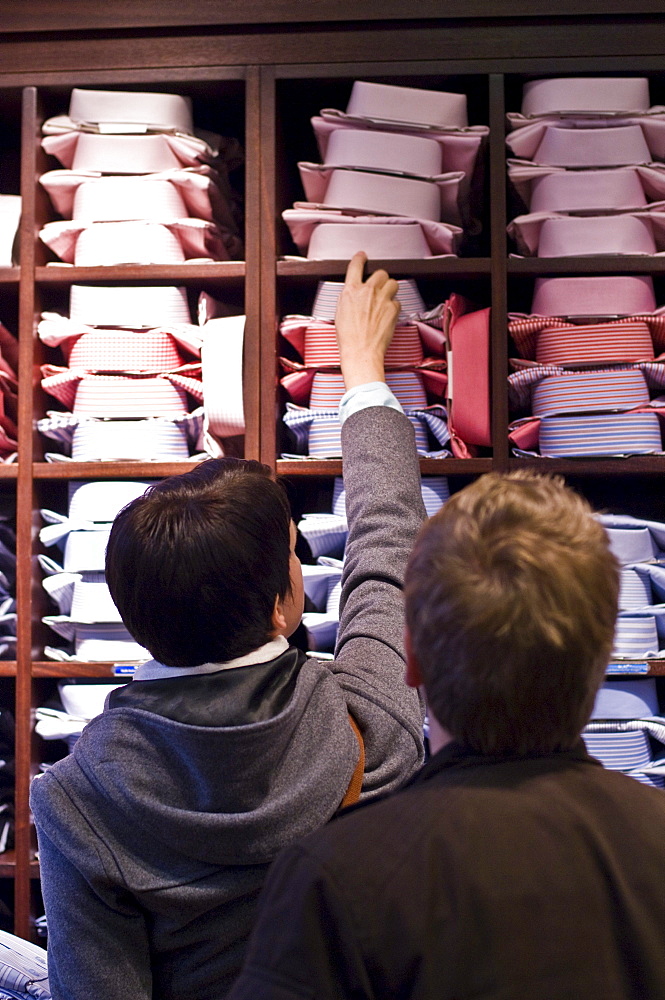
{"points": [[385, 511], [97, 937]]}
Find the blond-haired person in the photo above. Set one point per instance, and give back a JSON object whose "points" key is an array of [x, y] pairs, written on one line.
{"points": [[513, 865]]}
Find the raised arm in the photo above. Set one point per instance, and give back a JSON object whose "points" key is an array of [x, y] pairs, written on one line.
{"points": [[366, 316], [385, 511]]}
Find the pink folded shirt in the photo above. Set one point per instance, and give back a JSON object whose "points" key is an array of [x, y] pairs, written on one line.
{"points": [[571, 142], [123, 350], [548, 234], [585, 94], [111, 243], [440, 238], [123, 396], [316, 342], [126, 154], [459, 147], [548, 340]]}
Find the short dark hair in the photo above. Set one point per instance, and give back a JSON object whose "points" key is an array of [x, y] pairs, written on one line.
{"points": [[196, 563], [511, 601]]}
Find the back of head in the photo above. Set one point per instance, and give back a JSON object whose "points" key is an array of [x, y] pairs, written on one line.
{"points": [[195, 564], [511, 601]]}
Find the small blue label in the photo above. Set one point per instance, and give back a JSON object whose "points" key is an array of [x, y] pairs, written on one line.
{"points": [[628, 667], [123, 669]]}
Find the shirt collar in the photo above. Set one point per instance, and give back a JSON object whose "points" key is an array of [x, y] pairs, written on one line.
{"points": [[153, 670]]}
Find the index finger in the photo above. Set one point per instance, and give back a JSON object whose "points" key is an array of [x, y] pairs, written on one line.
{"points": [[356, 266]]}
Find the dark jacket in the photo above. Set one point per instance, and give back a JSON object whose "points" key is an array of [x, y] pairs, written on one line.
{"points": [[491, 879], [155, 834]]}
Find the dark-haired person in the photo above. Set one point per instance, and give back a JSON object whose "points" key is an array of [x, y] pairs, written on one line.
{"points": [[513, 865], [156, 833]]}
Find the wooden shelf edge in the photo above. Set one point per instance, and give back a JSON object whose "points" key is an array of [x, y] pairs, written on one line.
{"points": [[428, 466], [309, 467], [109, 470], [90, 15], [46, 16], [633, 465], [10, 275], [459, 266], [9, 470], [71, 668], [8, 864], [584, 265], [62, 274]]}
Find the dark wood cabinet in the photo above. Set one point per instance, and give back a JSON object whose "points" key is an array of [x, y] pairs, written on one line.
{"points": [[259, 72]]}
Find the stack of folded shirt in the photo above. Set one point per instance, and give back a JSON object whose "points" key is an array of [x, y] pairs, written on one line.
{"points": [[626, 732], [588, 168], [140, 186], [133, 385], [23, 969], [314, 384], [79, 702], [589, 376], [10, 216], [639, 546], [398, 177], [7, 588], [416, 360], [8, 395], [88, 619], [222, 337], [7, 652], [7, 779], [325, 534]]}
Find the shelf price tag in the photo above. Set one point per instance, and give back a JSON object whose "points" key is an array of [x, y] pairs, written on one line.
{"points": [[627, 667], [124, 669]]}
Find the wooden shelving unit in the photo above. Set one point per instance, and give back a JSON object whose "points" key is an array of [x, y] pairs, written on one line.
{"points": [[259, 71]]}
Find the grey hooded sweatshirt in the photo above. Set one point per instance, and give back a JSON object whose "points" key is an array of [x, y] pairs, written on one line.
{"points": [[155, 834]]}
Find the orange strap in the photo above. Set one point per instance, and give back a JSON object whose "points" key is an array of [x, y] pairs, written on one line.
{"points": [[355, 785]]}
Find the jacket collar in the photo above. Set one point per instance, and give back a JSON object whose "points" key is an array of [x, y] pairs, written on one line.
{"points": [[456, 757]]}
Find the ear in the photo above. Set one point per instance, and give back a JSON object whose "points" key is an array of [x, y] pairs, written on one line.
{"points": [[277, 619], [412, 674]]}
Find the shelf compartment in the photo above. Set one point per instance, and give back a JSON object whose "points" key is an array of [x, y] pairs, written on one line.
{"points": [[295, 141]]}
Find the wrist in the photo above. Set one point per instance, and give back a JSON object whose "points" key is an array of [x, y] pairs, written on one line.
{"points": [[361, 373]]}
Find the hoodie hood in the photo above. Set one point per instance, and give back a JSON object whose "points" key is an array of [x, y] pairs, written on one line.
{"points": [[219, 791]]}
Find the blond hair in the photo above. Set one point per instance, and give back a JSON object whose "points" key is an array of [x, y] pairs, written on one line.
{"points": [[511, 601]]}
